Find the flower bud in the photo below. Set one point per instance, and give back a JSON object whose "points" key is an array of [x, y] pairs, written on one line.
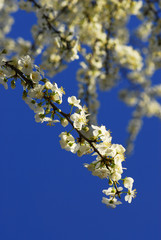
{"points": [[48, 85], [64, 122], [47, 111], [55, 97], [13, 85], [86, 129], [110, 182]]}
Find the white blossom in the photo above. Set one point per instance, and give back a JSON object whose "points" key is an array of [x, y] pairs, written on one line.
{"points": [[130, 194], [79, 120], [35, 77], [26, 64], [36, 92], [74, 101], [111, 191], [128, 182], [67, 142], [111, 202]]}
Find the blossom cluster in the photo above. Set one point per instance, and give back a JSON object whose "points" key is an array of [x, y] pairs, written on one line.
{"points": [[45, 98], [98, 32], [60, 34]]}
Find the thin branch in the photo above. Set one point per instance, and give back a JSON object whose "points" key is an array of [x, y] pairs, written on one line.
{"points": [[18, 72]]}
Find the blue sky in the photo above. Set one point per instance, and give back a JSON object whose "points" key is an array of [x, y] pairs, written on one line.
{"points": [[46, 193]]}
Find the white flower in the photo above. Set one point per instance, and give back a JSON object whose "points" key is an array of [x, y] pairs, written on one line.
{"points": [[41, 118], [111, 191], [74, 101], [101, 172], [131, 194], [116, 176], [31, 103], [67, 142], [26, 64], [36, 92], [35, 77], [79, 120], [58, 93], [90, 167], [98, 130], [112, 202], [104, 149], [128, 182], [56, 98], [106, 137], [118, 168], [82, 149], [119, 158], [118, 148], [60, 90], [39, 110], [102, 133]]}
